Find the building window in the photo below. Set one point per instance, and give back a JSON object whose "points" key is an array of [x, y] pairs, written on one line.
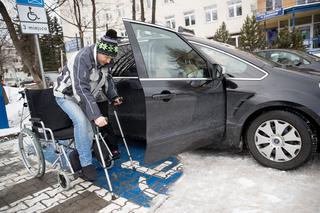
{"points": [[189, 18], [273, 4], [148, 3], [108, 15], [170, 22], [306, 1], [234, 8], [211, 13], [120, 10]]}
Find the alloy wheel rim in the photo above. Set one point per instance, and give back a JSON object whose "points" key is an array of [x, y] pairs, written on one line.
{"points": [[278, 140]]}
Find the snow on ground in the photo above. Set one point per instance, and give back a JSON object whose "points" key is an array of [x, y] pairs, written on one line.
{"points": [[222, 182], [14, 108]]}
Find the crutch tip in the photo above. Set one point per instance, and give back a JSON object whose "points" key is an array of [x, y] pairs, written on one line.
{"points": [[113, 197], [134, 168]]}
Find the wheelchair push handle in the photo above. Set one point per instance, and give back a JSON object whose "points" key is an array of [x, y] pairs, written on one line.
{"points": [[23, 94]]}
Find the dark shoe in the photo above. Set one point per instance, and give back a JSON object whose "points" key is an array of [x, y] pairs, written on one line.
{"points": [[115, 154], [75, 161], [89, 173]]}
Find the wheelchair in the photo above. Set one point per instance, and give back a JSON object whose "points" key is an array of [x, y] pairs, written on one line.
{"points": [[50, 124]]}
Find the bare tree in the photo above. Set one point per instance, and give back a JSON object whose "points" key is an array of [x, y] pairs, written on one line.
{"points": [[24, 44], [3, 54], [134, 9], [142, 11], [94, 23], [154, 5], [77, 15]]}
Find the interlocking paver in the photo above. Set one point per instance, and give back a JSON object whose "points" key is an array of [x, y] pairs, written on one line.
{"points": [[111, 207], [80, 203]]}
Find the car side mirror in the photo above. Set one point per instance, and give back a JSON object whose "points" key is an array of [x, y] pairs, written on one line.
{"points": [[218, 71], [296, 62], [224, 71]]}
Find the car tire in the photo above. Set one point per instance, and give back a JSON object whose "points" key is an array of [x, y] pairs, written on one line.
{"points": [[280, 139]]}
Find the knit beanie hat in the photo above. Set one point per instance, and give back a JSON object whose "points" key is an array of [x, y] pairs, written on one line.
{"points": [[108, 44]]}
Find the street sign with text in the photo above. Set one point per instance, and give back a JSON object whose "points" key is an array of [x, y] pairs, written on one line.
{"points": [[31, 28], [269, 14], [33, 17]]}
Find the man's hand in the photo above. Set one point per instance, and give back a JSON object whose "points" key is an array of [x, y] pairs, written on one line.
{"points": [[117, 101], [101, 121]]}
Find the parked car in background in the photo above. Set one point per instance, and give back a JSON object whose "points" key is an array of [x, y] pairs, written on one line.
{"points": [[315, 52], [182, 92], [292, 58]]}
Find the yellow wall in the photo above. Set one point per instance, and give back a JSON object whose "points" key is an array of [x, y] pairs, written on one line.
{"points": [[285, 4]]}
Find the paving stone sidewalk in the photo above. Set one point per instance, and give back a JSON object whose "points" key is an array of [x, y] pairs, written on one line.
{"points": [[20, 193]]}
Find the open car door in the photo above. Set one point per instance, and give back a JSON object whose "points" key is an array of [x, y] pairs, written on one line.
{"points": [[185, 105]]}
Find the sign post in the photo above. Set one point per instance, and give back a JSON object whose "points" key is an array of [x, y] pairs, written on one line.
{"points": [[33, 19]]}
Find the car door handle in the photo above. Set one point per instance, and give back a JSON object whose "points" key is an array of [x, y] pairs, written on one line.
{"points": [[165, 97]]}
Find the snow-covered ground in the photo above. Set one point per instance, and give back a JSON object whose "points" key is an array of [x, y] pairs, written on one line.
{"points": [[223, 182], [14, 110]]}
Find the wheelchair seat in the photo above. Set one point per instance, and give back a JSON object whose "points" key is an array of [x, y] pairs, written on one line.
{"points": [[43, 107]]}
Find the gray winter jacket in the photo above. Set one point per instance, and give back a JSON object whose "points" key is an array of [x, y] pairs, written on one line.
{"points": [[80, 79]]}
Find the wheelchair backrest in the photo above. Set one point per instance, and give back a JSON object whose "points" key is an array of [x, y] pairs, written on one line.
{"points": [[42, 104]]}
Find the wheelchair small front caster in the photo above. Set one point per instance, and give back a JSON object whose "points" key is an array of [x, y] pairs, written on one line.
{"points": [[64, 180], [109, 164]]}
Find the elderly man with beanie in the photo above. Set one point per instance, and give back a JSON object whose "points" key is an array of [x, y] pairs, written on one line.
{"points": [[83, 82]]}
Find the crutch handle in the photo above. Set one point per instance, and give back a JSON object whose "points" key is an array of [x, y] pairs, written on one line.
{"points": [[120, 98], [96, 128]]}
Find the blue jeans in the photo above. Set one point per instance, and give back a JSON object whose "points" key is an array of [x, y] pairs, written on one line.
{"points": [[83, 132]]}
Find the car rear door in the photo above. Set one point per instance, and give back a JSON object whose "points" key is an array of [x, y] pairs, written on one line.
{"points": [[185, 106]]}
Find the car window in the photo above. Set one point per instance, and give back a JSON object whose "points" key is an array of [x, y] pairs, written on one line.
{"points": [[287, 58], [124, 64], [235, 68], [166, 55]]}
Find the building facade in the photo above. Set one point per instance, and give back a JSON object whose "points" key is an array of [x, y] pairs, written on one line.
{"points": [[303, 15], [204, 16]]}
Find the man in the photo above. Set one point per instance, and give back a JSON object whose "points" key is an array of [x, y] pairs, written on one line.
{"points": [[84, 81]]}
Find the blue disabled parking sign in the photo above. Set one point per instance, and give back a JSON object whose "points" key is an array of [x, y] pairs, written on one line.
{"points": [[34, 3]]}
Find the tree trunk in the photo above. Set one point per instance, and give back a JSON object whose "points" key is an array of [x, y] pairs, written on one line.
{"points": [[142, 11], [94, 24], [134, 9], [154, 4], [77, 14], [25, 46]]}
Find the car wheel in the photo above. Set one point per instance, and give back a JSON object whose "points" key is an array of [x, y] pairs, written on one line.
{"points": [[280, 139]]}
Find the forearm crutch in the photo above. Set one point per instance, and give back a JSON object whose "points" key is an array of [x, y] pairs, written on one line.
{"points": [[122, 135], [98, 135]]}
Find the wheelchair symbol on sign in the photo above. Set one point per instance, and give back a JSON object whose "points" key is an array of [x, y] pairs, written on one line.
{"points": [[31, 15]]}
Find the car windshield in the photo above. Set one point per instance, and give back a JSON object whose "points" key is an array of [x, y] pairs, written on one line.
{"points": [[309, 56]]}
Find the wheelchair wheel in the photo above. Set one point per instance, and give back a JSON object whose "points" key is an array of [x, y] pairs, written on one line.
{"points": [[31, 153], [109, 164], [64, 180]]}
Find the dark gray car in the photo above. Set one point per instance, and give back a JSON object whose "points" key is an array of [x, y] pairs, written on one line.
{"points": [[293, 58], [182, 92]]}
